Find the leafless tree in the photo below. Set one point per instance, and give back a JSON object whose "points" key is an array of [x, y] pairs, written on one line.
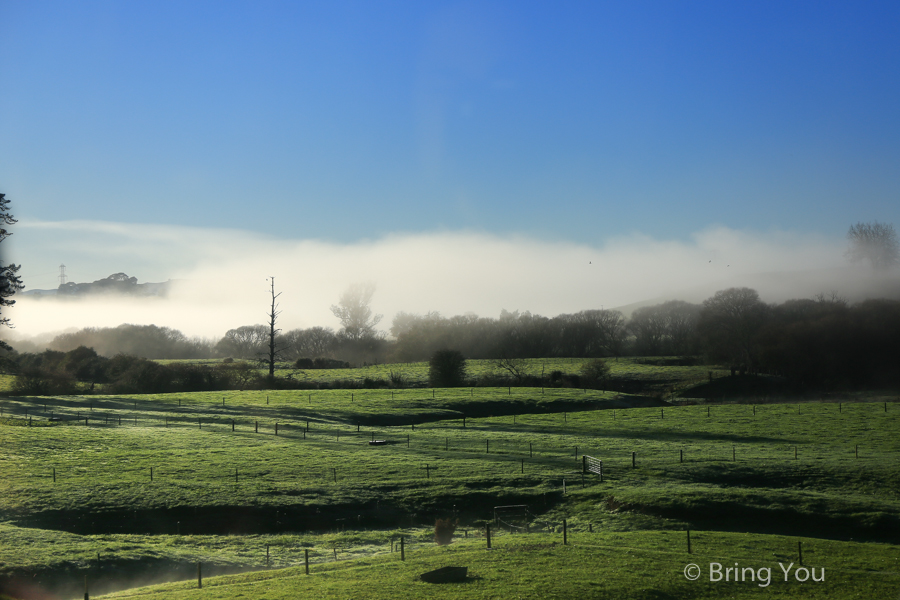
{"points": [[875, 243], [516, 367], [243, 342], [273, 316]]}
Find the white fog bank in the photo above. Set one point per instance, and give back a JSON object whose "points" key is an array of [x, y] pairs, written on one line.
{"points": [[223, 273]]}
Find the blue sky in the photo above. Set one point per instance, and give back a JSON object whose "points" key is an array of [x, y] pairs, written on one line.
{"points": [[341, 122]]}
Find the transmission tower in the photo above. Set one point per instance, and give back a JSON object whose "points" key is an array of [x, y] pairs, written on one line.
{"points": [[62, 275]]}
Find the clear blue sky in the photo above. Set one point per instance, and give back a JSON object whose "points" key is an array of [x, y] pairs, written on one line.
{"points": [[344, 121]]}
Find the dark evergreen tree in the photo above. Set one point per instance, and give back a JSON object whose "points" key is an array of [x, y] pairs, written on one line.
{"points": [[447, 368]]}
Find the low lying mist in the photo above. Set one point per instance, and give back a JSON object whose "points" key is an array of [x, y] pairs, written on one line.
{"points": [[221, 275]]}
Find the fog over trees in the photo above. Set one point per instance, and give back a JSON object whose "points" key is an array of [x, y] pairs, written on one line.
{"points": [[819, 342], [875, 243]]}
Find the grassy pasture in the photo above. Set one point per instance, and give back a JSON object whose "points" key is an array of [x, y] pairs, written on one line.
{"points": [[739, 474], [625, 565], [652, 373]]}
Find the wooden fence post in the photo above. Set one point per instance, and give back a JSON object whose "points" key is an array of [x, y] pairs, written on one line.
{"points": [[633, 460], [565, 534], [487, 531], [306, 559], [689, 540], [199, 576], [402, 548]]}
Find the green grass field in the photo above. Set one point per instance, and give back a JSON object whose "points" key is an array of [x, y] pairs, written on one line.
{"points": [[653, 373], [626, 566], [825, 471]]}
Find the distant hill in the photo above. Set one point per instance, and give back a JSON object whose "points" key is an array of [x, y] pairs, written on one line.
{"points": [[119, 284], [851, 284]]}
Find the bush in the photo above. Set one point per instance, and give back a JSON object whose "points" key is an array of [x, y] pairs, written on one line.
{"points": [[132, 375], [320, 363], [443, 531], [447, 368], [41, 382], [595, 372]]}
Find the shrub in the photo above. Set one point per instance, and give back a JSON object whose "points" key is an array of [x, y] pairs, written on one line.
{"points": [[139, 376], [320, 363], [397, 380], [41, 382], [595, 371], [447, 368], [443, 531]]}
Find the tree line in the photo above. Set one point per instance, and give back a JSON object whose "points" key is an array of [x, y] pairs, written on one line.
{"points": [[823, 342]]}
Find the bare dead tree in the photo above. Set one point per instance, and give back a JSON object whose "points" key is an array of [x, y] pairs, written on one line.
{"points": [[273, 316], [516, 367]]}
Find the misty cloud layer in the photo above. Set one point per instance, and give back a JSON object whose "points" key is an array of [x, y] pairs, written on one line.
{"points": [[222, 273]]}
